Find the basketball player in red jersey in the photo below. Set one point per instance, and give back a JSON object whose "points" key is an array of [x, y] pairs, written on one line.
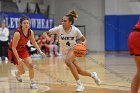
{"points": [[68, 34], [134, 48], [18, 53]]}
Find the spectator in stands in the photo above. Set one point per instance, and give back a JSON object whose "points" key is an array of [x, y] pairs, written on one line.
{"points": [[4, 37], [54, 42], [44, 44]]}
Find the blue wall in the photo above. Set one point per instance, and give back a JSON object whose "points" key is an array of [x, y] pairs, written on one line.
{"points": [[117, 29]]}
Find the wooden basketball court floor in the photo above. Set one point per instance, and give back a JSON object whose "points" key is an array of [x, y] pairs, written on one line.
{"points": [[115, 70]]}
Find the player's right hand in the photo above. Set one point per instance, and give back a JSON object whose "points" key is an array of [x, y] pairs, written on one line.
{"points": [[20, 60], [43, 54]]}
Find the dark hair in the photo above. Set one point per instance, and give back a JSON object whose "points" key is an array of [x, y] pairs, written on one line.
{"points": [[22, 18], [72, 15]]}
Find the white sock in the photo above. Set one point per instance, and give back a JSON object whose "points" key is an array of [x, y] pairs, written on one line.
{"points": [[93, 75], [78, 82]]}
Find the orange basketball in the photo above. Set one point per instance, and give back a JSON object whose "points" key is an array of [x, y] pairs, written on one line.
{"points": [[79, 50]]}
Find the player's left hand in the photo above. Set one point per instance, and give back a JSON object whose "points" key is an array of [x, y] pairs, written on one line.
{"points": [[83, 43], [43, 54]]}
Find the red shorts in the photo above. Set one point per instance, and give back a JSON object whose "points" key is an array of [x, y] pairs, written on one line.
{"points": [[22, 54], [134, 43]]}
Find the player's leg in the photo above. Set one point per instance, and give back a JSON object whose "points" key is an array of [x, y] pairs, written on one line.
{"points": [[29, 64], [80, 70], [86, 73], [19, 65], [19, 72], [70, 58], [136, 80], [51, 47], [56, 50]]}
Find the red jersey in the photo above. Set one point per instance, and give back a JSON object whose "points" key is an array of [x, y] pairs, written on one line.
{"points": [[134, 43], [134, 40], [22, 41]]}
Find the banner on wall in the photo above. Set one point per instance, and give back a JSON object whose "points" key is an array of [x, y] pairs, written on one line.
{"points": [[37, 21]]}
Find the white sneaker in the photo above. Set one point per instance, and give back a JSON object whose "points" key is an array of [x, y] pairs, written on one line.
{"points": [[33, 85], [6, 59], [80, 88], [18, 77], [96, 78]]}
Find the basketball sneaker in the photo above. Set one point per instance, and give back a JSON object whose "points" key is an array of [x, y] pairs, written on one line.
{"points": [[6, 59], [80, 88], [33, 85], [18, 77], [96, 78]]}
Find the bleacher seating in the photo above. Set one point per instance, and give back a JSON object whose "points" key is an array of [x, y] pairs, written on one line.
{"points": [[7, 6]]}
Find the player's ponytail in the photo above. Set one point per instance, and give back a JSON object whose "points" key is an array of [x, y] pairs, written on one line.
{"points": [[72, 15]]}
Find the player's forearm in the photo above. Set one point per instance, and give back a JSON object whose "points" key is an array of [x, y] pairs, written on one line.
{"points": [[83, 39], [15, 52]]}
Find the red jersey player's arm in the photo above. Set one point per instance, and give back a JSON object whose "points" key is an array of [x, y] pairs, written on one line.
{"points": [[34, 42], [15, 40]]}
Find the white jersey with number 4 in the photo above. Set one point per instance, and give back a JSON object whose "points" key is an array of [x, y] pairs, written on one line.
{"points": [[67, 39]]}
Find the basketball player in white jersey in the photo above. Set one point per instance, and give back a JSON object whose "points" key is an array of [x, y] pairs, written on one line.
{"points": [[68, 34]]}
